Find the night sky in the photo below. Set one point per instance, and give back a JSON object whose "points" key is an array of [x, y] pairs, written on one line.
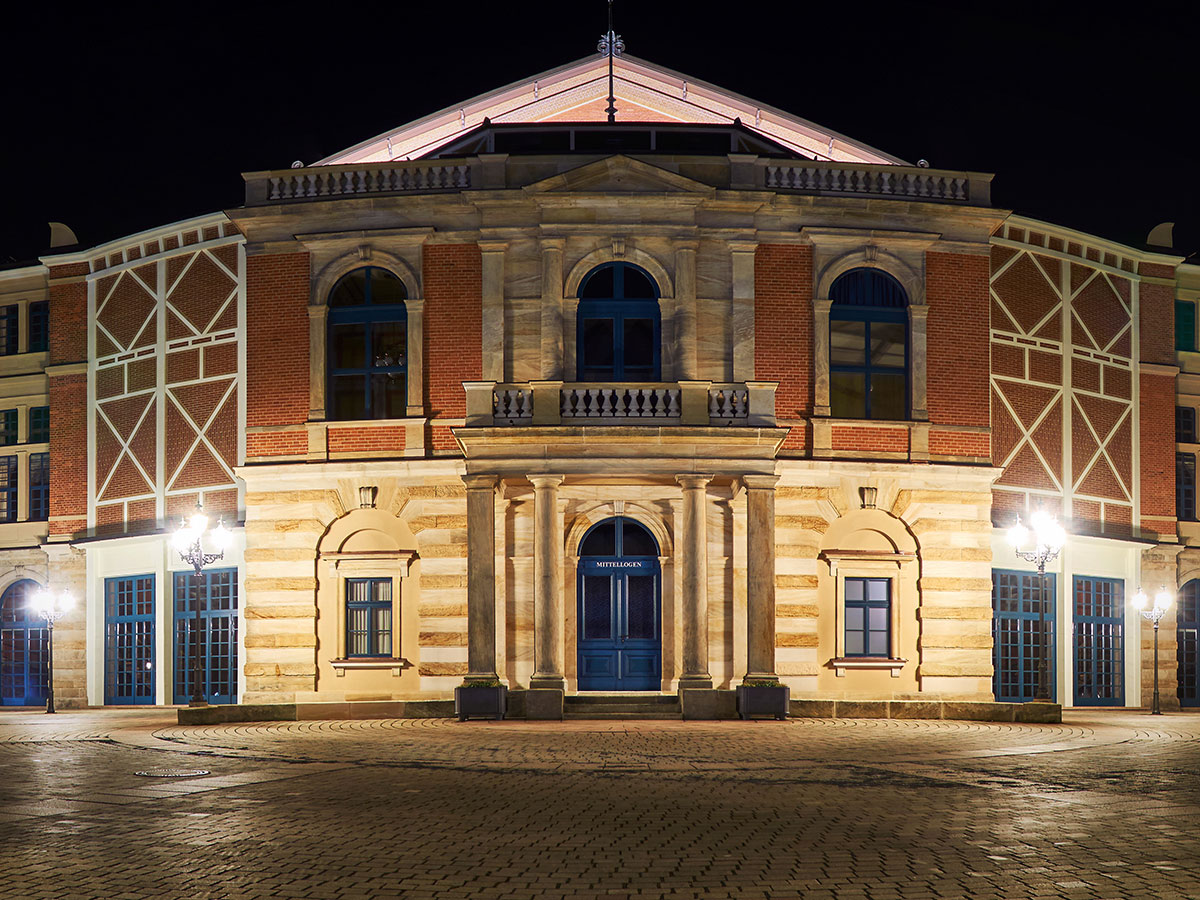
{"points": [[119, 119]]}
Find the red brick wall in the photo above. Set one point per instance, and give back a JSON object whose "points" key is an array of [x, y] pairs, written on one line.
{"points": [[453, 280], [783, 330], [68, 315], [956, 290], [959, 443], [277, 363], [68, 452], [350, 440], [1158, 309], [1158, 452], [868, 439]]}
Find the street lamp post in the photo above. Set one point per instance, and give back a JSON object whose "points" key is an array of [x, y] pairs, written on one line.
{"points": [[1041, 546], [52, 608], [189, 539], [1155, 613]]}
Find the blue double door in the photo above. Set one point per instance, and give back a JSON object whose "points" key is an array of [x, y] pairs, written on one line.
{"points": [[24, 653], [620, 624]]}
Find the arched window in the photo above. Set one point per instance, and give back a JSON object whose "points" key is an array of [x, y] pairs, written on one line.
{"points": [[619, 325], [24, 648], [1187, 644], [868, 346], [368, 346]]}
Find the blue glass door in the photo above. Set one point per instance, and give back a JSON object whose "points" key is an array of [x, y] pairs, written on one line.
{"points": [[620, 645], [1017, 641], [216, 640], [1099, 649], [129, 640], [1187, 646], [24, 651]]}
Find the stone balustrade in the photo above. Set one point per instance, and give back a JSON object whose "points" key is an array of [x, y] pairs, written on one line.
{"points": [[580, 403], [899, 182], [331, 182]]}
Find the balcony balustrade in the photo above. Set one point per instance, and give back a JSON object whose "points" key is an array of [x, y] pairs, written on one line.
{"points": [[664, 404]]}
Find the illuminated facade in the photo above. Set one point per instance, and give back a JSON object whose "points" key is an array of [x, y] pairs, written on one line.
{"points": [[708, 393]]}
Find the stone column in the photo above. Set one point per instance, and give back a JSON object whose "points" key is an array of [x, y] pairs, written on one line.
{"points": [[760, 575], [67, 571], [685, 311], [693, 582], [416, 356], [821, 308], [743, 309], [547, 585], [493, 309], [552, 308], [481, 576], [918, 322]]}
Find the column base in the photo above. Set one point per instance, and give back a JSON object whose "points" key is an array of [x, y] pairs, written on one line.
{"points": [[548, 682], [483, 678], [695, 682], [753, 677]]}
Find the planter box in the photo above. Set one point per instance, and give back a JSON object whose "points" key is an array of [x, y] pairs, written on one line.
{"points": [[763, 702], [480, 702]]}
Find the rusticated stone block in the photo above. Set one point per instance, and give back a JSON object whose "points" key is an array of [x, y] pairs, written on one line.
{"points": [[1041, 713], [708, 704], [861, 709], [915, 709], [544, 703], [816, 709], [978, 712]]}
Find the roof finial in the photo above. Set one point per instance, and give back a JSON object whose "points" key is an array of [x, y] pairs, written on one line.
{"points": [[611, 45]]}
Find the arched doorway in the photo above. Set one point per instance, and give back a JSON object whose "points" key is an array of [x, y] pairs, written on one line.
{"points": [[24, 656], [618, 327], [619, 594], [1187, 646]]}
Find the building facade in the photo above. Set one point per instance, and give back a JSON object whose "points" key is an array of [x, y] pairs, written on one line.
{"points": [[706, 394]]}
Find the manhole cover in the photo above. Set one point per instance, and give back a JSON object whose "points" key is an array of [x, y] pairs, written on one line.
{"points": [[173, 773]]}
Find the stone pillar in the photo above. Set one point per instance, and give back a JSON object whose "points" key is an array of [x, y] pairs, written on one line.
{"points": [[685, 311], [481, 576], [552, 308], [67, 571], [821, 309], [416, 356], [743, 309], [492, 262], [918, 328], [693, 582], [760, 577], [547, 585]]}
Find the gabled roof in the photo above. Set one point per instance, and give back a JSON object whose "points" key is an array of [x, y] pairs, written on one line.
{"points": [[578, 92]]}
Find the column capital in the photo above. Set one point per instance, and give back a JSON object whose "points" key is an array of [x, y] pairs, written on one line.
{"points": [[481, 482], [552, 243], [692, 244], [693, 482], [743, 246], [492, 246], [545, 481], [760, 482]]}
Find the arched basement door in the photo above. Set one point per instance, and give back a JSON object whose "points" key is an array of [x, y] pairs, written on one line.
{"points": [[620, 608], [24, 651]]}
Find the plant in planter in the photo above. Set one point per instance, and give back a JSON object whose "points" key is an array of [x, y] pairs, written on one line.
{"points": [[480, 698], [763, 698]]}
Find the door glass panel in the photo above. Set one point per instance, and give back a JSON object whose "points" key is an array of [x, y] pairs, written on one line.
{"points": [[888, 399], [640, 607], [349, 347], [639, 345], [389, 398], [848, 395], [887, 344], [636, 285], [349, 397], [597, 343], [636, 540], [599, 285], [847, 342], [601, 541], [388, 344], [597, 607]]}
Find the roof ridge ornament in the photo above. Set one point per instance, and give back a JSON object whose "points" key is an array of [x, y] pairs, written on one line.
{"points": [[611, 45]]}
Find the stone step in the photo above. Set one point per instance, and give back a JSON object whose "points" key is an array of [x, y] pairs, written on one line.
{"points": [[623, 708], [606, 714], [607, 699]]}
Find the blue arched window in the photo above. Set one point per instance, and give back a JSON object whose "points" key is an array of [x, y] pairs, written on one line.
{"points": [[868, 346], [368, 346], [618, 329], [24, 648]]}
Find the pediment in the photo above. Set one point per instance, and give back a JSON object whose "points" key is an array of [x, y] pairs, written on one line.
{"points": [[616, 175], [578, 92]]}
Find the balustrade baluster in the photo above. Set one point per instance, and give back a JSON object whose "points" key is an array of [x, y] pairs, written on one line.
{"points": [[672, 402], [714, 403]]}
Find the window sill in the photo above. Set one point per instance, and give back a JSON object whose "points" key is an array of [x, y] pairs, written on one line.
{"points": [[396, 664], [842, 663]]}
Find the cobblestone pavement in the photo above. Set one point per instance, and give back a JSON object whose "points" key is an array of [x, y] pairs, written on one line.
{"points": [[1106, 805]]}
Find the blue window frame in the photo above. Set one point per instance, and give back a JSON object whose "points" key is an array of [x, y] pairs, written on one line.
{"points": [[39, 326], [129, 640], [9, 329], [868, 346], [368, 346], [618, 330], [1099, 641], [8, 427], [39, 425], [1187, 647], [8, 489], [39, 487], [216, 639], [1185, 486], [868, 607], [368, 617], [24, 648], [1017, 642], [1185, 325]]}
